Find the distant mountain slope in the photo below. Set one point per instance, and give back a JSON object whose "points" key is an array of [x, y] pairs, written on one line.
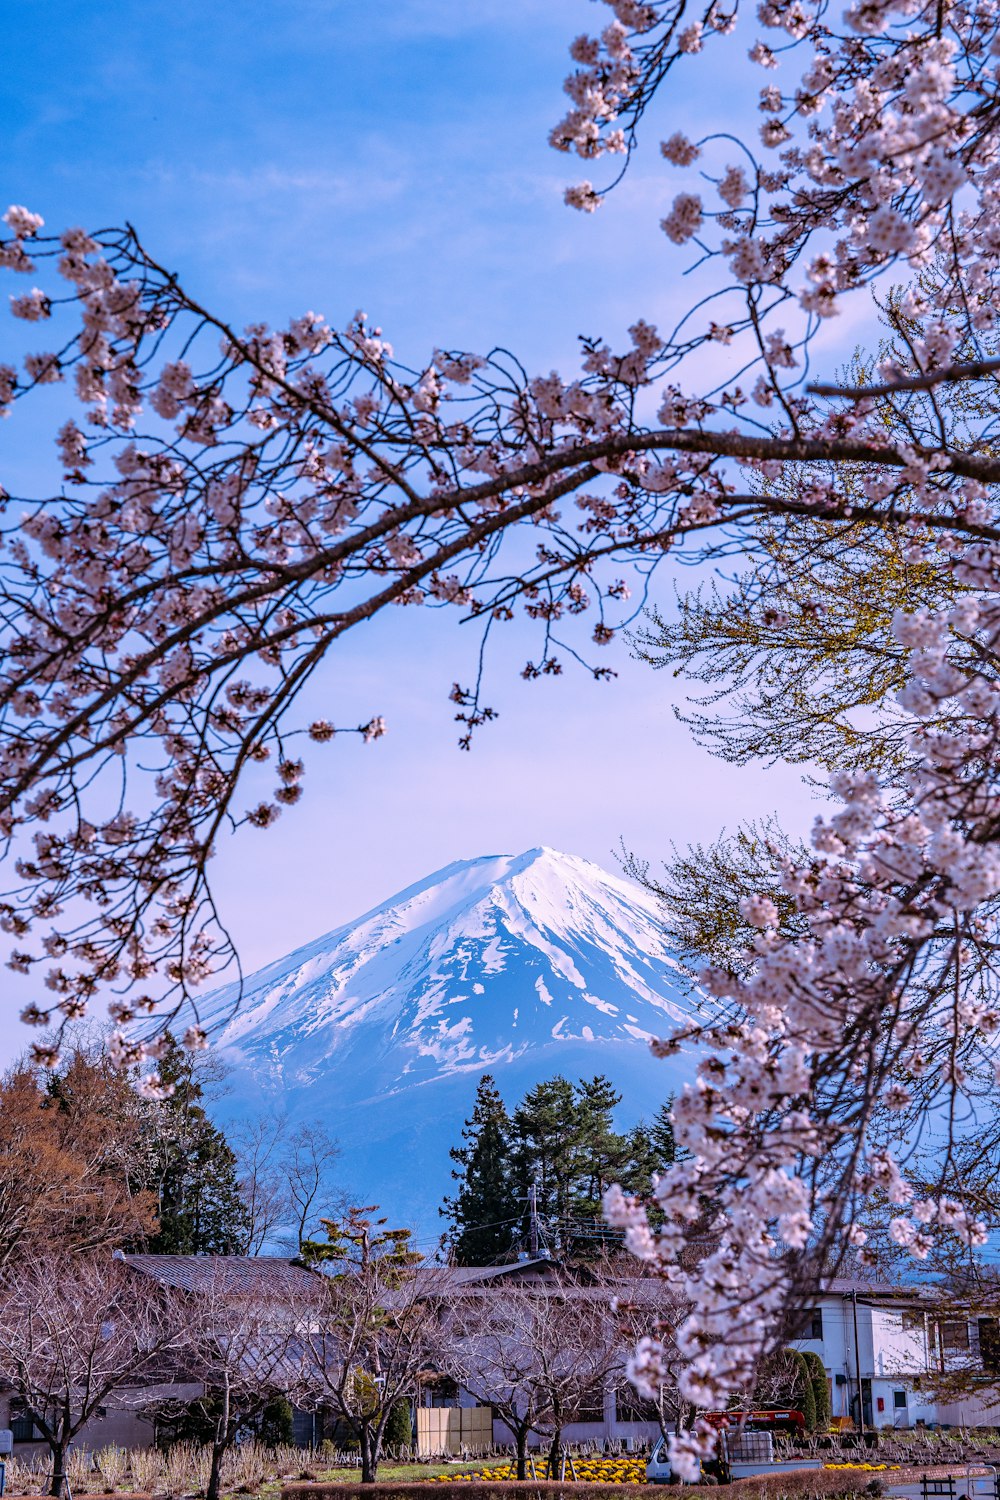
{"points": [[522, 966]]}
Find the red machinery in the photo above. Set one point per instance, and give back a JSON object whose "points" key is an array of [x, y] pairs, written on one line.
{"points": [[772, 1419]]}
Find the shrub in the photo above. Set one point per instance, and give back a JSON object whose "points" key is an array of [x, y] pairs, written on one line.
{"points": [[112, 1467], [145, 1468], [277, 1424], [802, 1396], [399, 1428], [820, 1389], [80, 1470]]}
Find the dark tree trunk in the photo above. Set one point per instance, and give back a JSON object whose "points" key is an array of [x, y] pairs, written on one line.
{"points": [[521, 1436], [369, 1454], [555, 1453], [58, 1451], [220, 1446], [219, 1449]]}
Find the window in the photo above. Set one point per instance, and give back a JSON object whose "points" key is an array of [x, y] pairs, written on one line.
{"points": [[807, 1324], [22, 1424], [989, 1344], [955, 1338], [441, 1392], [899, 1400]]}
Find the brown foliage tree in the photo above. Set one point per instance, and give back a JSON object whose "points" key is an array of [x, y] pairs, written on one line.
{"points": [[71, 1154]]}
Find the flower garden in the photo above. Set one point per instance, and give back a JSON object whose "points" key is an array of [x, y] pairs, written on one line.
{"points": [[624, 1469]]}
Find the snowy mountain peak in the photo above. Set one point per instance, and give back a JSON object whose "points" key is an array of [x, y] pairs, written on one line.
{"points": [[464, 970]]}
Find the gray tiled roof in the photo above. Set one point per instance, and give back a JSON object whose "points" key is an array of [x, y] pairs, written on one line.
{"points": [[244, 1275], [454, 1276]]}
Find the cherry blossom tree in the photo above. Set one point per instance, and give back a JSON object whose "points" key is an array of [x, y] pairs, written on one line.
{"points": [[234, 502], [245, 1344]]}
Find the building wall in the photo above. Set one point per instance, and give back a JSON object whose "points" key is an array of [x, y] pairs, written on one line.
{"points": [[121, 1426]]}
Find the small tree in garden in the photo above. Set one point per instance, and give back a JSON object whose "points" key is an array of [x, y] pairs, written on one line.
{"points": [[375, 1328], [802, 1392], [491, 1352], [234, 501], [399, 1428], [80, 1332], [580, 1348], [540, 1355], [277, 1423]]}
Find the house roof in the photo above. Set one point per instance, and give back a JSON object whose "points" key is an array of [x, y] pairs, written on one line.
{"points": [[844, 1286], [244, 1275], [517, 1270]]}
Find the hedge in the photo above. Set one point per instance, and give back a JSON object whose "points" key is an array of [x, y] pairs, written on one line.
{"points": [[797, 1484]]}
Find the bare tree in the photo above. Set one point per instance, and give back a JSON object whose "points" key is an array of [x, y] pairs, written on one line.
{"points": [[246, 1347], [257, 1145], [77, 1332], [286, 1176], [307, 1165], [536, 1354], [579, 1347]]}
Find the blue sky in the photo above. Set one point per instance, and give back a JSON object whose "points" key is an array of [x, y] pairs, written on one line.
{"points": [[327, 155]]}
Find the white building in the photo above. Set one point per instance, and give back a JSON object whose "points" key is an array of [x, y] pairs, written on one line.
{"points": [[888, 1342]]}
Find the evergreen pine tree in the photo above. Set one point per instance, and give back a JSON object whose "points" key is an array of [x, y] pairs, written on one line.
{"points": [[546, 1133], [484, 1207], [644, 1160], [356, 1242], [603, 1152], [662, 1137], [201, 1211]]}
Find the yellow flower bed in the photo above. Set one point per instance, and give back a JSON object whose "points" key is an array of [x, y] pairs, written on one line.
{"points": [[872, 1468], [588, 1471]]}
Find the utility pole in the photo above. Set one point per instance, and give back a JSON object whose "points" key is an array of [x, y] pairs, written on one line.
{"points": [[533, 1220], [857, 1365]]}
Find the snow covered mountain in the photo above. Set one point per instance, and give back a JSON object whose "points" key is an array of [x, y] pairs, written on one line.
{"points": [[521, 966]]}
